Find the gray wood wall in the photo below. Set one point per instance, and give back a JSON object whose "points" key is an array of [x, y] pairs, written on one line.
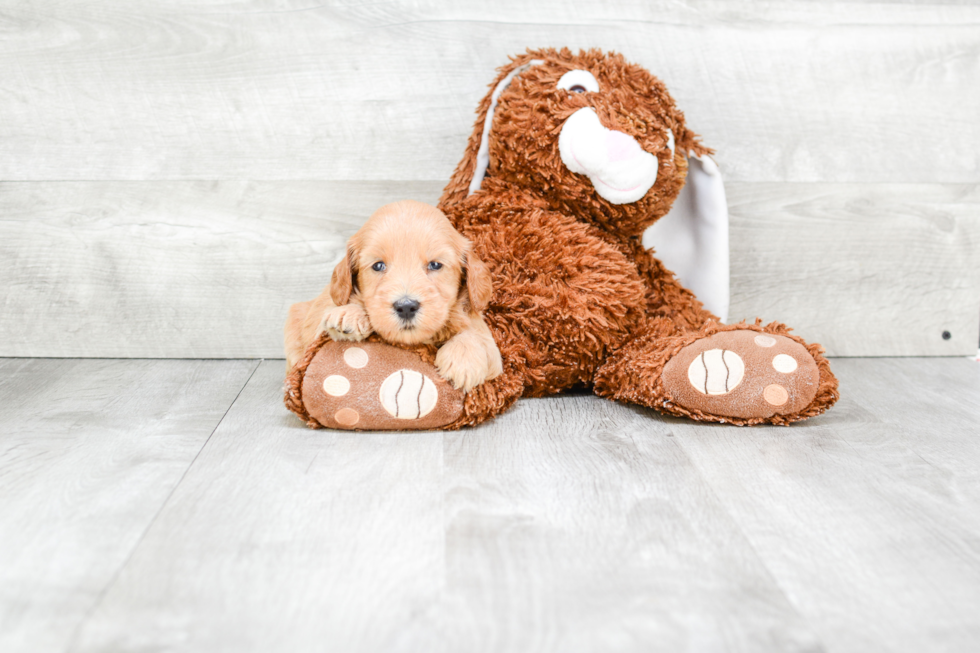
{"points": [[175, 174]]}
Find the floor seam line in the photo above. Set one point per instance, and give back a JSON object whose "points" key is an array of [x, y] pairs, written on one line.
{"points": [[748, 541], [72, 641]]}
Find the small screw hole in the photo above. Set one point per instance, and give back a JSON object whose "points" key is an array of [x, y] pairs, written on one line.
{"points": [[947, 335]]}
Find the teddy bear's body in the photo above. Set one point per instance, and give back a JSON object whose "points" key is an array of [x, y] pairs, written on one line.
{"points": [[571, 159], [566, 293]]}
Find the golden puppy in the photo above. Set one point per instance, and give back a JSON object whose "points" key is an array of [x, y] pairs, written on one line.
{"points": [[409, 276]]}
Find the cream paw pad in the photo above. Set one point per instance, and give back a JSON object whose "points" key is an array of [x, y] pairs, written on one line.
{"points": [[372, 386], [742, 373]]}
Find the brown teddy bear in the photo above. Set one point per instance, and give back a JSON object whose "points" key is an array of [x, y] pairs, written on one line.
{"points": [[572, 158]]}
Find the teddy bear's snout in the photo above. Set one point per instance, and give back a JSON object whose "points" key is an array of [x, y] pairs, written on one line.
{"points": [[620, 146], [620, 170]]}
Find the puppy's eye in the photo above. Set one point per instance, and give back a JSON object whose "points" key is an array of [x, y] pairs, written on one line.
{"points": [[578, 81], [378, 267], [435, 265]]}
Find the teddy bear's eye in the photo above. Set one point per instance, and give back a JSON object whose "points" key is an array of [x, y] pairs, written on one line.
{"points": [[578, 81], [378, 267]]}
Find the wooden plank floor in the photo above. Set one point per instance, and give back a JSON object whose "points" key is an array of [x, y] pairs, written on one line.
{"points": [[174, 505]]}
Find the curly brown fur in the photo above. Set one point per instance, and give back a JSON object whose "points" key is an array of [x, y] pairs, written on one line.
{"points": [[577, 301], [635, 375], [574, 288]]}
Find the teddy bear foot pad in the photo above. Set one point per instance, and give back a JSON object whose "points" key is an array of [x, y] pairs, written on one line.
{"points": [[369, 386], [742, 374]]}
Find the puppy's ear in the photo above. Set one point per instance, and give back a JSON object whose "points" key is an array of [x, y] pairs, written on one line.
{"points": [[344, 279], [478, 287]]}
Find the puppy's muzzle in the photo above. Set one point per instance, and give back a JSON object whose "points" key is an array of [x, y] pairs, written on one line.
{"points": [[406, 309]]}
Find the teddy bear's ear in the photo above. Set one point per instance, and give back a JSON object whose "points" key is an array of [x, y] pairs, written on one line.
{"points": [[692, 239], [690, 143], [476, 157]]}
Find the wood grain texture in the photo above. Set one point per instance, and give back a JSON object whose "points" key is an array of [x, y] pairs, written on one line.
{"points": [[286, 539], [171, 269], [567, 524], [869, 517], [866, 270], [577, 524], [571, 524], [89, 452], [208, 269], [292, 89]]}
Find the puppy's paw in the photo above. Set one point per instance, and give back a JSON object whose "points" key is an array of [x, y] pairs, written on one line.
{"points": [[347, 322], [468, 359]]}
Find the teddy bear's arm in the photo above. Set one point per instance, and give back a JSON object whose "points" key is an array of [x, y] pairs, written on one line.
{"points": [[666, 297]]}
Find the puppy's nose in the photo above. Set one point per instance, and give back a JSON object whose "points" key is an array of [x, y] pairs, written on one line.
{"points": [[406, 308]]}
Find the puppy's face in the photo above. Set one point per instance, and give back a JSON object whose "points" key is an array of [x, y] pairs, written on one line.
{"points": [[413, 273]]}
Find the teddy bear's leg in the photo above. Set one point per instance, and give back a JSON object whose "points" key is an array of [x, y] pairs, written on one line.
{"points": [[373, 386], [665, 296], [370, 386], [491, 397], [738, 374]]}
